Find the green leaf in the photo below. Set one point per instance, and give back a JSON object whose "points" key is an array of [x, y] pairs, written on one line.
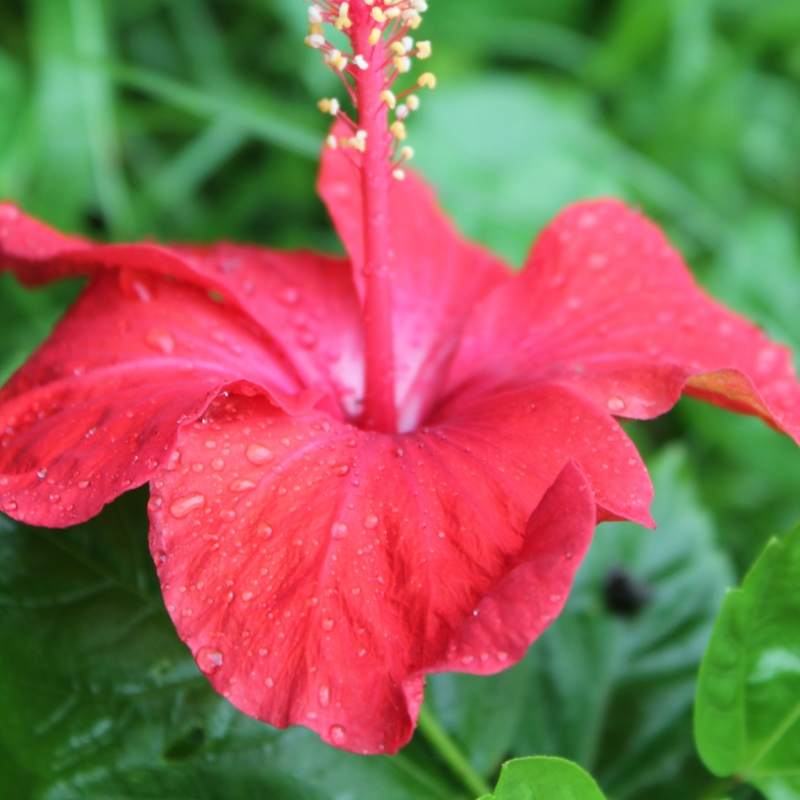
{"points": [[609, 691], [100, 699], [544, 779], [747, 716]]}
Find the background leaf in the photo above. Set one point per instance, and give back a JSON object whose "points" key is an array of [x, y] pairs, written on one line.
{"points": [[747, 718], [545, 779]]}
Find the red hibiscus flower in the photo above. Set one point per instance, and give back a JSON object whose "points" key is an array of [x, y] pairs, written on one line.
{"points": [[321, 545]]}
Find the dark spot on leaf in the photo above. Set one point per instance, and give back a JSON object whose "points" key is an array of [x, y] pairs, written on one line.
{"points": [[625, 596], [185, 748]]}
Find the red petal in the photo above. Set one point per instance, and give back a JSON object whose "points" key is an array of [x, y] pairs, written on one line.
{"points": [[533, 593], [306, 302], [607, 306], [97, 408], [438, 277], [319, 552]]}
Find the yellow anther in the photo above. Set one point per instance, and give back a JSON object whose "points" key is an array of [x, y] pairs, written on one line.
{"points": [[412, 102], [342, 22], [359, 141], [418, 5], [375, 36], [388, 98], [378, 15], [369, 2], [329, 106], [335, 59], [392, 13], [315, 30], [399, 130], [407, 153], [331, 142], [399, 175], [412, 18], [427, 79], [423, 49], [403, 63], [398, 48], [314, 15], [316, 40]]}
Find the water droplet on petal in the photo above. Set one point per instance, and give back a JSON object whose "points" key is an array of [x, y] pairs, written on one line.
{"points": [[327, 624], [10, 506], [324, 696], [160, 340], [184, 506], [242, 485], [616, 404], [218, 464], [160, 557], [502, 655], [42, 473], [258, 454], [371, 522], [83, 485], [290, 296], [338, 735], [339, 530], [209, 659]]}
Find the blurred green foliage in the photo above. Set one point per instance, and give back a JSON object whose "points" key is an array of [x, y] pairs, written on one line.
{"points": [[194, 120]]}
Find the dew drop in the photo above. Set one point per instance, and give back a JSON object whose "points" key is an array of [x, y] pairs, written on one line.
{"points": [[338, 735], [184, 506], [327, 624], [258, 454], [10, 506], [265, 530], [290, 296], [339, 530], [269, 683], [161, 557], [218, 464], [83, 485], [42, 473], [616, 404], [371, 522], [242, 485], [211, 444], [502, 655], [160, 340], [324, 696], [209, 659]]}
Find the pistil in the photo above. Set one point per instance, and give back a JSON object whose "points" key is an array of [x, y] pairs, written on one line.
{"points": [[382, 48]]}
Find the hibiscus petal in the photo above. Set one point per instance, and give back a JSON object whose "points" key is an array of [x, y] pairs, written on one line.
{"points": [[437, 276], [534, 592], [306, 302], [96, 410], [607, 306], [313, 551]]}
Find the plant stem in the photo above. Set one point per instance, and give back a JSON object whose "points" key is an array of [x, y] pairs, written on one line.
{"points": [[449, 752]]}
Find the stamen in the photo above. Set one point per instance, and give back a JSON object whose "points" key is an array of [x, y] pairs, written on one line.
{"points": [[388, 98], [383, 51]]}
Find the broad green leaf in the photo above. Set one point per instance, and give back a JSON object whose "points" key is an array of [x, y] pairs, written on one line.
{"points": [[612, 692], [100, 699], [747, 715], [544, 779]]}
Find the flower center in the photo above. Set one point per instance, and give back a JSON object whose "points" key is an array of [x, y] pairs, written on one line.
{"points": [[382, 48]]}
